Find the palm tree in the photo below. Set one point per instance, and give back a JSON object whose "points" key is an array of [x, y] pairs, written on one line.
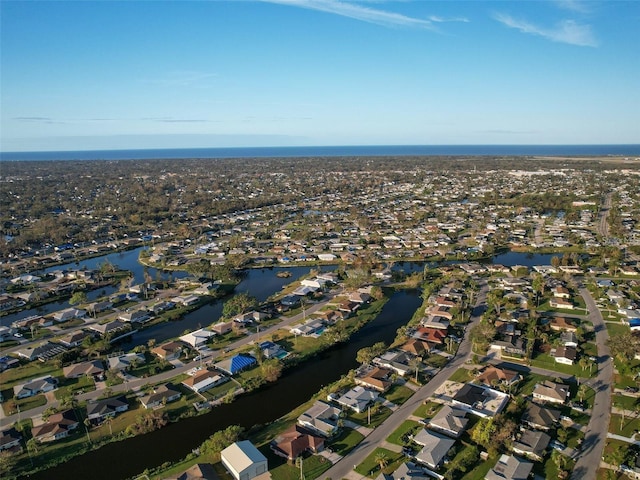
{"points": [[381, 459]]}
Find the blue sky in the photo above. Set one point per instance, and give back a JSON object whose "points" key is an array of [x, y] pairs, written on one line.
{"points": [[143, 74]]}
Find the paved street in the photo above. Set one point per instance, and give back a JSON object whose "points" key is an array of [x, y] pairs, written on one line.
{"points": [[344, 468], [165, 376], [594, 441]]}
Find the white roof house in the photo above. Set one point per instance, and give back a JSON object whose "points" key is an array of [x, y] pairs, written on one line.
{"points": [[358, 399], [197, 338], [243, 460], [435, 448]]}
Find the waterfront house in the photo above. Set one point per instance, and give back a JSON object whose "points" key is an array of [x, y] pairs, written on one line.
{"points": [[222, 327], [243, 460], [296, 441], [169, 351], [376, 378], [236, 364], [162, 394], [9, 439], [203, 380], [197, 338], [126, 361], [74, 339], [398, 361], [200, 471], [139, 316], [358, 399], [59, 425], [68, 314], [321, 418], [100, 410]]}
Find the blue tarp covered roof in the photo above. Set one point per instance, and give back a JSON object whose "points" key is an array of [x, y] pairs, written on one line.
{"points": [[240, 362]]}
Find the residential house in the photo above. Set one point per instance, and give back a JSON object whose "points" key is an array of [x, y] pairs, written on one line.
{"points": [[492, 375], [406, 471], [100, 410], [311, 327], [93, 368], [509, 467], [562, 323], [74, 339], [434, 448], [126, 361], [68, 314], [243, 460], [222, 327], [549, 391], [35, 387], [236, 364], [563, 303], [565, 355], [59, 425], [416, 347], [203, 380], [42, 352], [376, 378], [540, 417], [197, 338], [321, 418], [435, 321], [561, 292], [200, 471], [479, 400], [109, 327], [161, 395], [272, 350], [9, 439], [531, 443], [139, 316], [296, 441], [450, 421], [358, 399], [169, 351], [569, 339], [433, 336], [348, 307], [398, 361]]}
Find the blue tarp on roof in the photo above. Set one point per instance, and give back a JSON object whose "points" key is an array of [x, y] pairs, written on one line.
{"points": [[240, 362], [634, 322]]}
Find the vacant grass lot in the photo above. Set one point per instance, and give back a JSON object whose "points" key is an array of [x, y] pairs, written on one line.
{"points": [[407, 427], [345, 441], [398, 394]]}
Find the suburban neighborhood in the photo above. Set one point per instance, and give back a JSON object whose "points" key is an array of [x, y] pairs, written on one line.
{"points": [[520, 359]]}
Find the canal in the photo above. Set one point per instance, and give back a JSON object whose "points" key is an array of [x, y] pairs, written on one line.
{"points": [[129, 457]]}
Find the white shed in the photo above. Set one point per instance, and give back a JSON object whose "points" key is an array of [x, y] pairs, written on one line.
{"points": [[244, 461]]}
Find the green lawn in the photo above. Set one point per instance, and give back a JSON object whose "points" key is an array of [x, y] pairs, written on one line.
{"points": [[462, 375], [69, 386], [481, 470], [616, 328], [437, 361], [346, 441], [398, 394], [313, 466], [428, 409], [629, 425], [408, 426], [589, 349], [625, 401], [15, 376], [543, 360], [379, 414], [526, 386], [371, 468]]}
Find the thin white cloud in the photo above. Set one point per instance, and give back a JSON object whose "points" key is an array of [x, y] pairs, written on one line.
{"points": [[358, 12], [567, 31], [573, 6], [438, 19]]}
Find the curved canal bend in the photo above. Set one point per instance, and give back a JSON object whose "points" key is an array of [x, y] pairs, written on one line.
{"points": [[130, 457]]}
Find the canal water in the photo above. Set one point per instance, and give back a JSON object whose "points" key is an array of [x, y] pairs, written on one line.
{"points": [[129, 457]]}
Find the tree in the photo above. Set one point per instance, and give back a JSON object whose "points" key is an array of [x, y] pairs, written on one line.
{"points": [[381, 459], [483, 431], [367, 354], [78, 298], [624, 346], [239, 304], [415, 363], [7, 461], [271, 370], [220, 440]]}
